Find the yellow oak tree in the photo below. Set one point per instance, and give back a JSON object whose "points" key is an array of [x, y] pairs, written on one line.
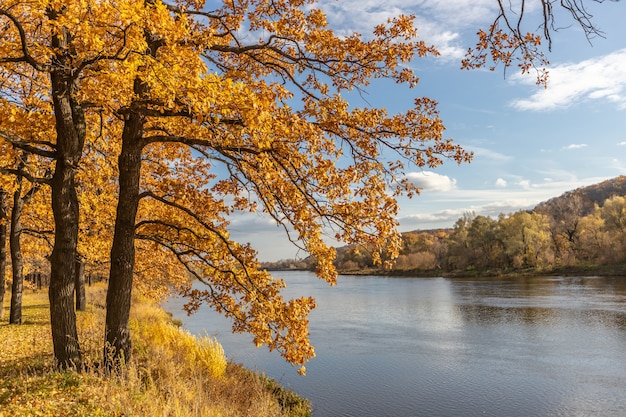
{"points": [[48, 49], [270, 113]]}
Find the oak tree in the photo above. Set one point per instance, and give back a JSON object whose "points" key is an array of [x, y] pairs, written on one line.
{"points": [[20, 199], [269, 113]]}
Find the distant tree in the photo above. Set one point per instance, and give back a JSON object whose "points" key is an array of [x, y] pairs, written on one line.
{"points": [[526, 240], [20, 199], [613, 212], [483, 239], [459, 252], [594, 243], [564, 214]]}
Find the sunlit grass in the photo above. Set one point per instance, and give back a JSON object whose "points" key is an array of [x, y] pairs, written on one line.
{"points": [[171, 373]]}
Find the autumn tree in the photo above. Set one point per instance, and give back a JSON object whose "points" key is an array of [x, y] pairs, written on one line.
{"points": [[21, 197], [526, 239], [485, 242], [232, 105], [565, 214], [594, 243], [613, 212], [458, 243], [47, 52]]}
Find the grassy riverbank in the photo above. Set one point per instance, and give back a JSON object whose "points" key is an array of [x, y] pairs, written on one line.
{"points": [[172, 373]]}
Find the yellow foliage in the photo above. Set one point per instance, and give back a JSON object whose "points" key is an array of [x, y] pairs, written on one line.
{"points": [[202, 114], [163, 379]]}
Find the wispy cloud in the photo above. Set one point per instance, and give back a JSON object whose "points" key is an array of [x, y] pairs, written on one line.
{"points": [[600, 78], [575, 146], [484, 153], [447, 217], [520, 194], [501, 183]]}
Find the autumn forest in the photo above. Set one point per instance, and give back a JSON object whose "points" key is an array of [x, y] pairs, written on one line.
{"points": [[583, 229]]}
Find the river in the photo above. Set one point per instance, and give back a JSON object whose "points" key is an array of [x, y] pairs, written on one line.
{"points": [[400, 347]]}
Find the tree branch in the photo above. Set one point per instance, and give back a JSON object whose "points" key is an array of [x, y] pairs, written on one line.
{"points": [[28, 145], [26, 57]]}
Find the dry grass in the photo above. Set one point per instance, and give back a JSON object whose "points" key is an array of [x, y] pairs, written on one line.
{"points": [[172, 373]]}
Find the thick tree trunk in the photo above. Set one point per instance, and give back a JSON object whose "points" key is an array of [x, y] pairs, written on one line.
{"points": [[17, 263], [62, 266], [118, 344], [3, 248], [117, 350], [81, 296], [70, 129]]}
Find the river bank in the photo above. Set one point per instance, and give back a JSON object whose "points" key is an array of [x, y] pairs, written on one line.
{"points": [[172, 373], [578, 270]]}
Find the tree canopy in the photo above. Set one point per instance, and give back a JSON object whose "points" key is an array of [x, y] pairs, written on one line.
{"points": [[183, 113]]}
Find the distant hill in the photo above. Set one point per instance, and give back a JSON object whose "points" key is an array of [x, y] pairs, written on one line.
{"points": [[580, 202]]}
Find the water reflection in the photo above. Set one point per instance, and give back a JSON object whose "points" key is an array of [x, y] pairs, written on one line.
{"points": [[537, 346], [544, 300]]}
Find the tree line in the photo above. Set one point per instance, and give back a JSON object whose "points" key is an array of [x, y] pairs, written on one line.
{"points": [[524, 240]]}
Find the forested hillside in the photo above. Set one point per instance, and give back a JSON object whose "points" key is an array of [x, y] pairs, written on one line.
{"points": [[581, 228]]}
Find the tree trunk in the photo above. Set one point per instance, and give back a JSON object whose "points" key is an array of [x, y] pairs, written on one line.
{"points": [[118, 345], [3, 248], [81, 297], [16, 255], [70, 129], [117, 349]]}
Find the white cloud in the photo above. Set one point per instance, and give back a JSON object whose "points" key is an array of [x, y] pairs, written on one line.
{"points": [[428, 180], [575, 146], [621, 144], [430, 214], [501, 183], [601, 78], [455, 13], [439, 22], [447, 217]]}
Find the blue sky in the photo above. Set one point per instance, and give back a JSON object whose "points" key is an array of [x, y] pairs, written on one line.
{"points": [[529, 143]]}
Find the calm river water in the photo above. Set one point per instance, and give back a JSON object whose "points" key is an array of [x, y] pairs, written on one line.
{"points": [[541, 346]]}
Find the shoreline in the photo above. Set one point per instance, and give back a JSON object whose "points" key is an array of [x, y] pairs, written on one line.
{"points": [[589, 270]]}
